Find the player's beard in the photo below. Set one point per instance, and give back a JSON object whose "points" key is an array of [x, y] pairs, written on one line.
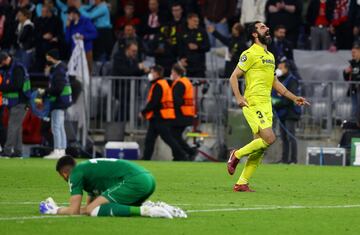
{"points": [[265, 39]]}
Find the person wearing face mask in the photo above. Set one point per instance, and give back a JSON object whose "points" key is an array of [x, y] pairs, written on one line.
{"points": [[159, 110], [287, 113], [59, 93], [16, 93], [184, 104]]}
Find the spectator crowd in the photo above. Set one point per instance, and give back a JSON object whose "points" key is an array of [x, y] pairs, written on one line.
{"points": [[169, 31]]}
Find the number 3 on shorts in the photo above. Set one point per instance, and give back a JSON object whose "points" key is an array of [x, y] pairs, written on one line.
{"points": [[259, 114]]}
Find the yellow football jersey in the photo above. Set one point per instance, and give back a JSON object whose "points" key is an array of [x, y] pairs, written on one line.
{"points": [[259, 67]]}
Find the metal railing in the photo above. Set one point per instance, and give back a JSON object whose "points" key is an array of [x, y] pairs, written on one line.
{"points": [[120, 99]]}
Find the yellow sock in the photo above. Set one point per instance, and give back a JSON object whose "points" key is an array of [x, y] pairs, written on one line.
{"points": [[253, 146], [250, 166]]}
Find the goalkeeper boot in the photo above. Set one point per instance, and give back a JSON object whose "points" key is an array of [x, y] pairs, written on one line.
{"points": [[175, 212], [243, 188], [232, 162], [155, 212]]}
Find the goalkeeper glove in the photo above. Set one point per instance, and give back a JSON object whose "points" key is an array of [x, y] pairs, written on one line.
{"points": [[48, 207]]}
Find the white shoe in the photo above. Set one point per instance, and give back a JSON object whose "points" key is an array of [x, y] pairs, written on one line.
{"points": [[149, 204], [155, 212], [175, 212], [62, 152], [56, 154]]}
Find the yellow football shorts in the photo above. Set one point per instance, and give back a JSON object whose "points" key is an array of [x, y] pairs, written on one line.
{"points": [[259, 116]]}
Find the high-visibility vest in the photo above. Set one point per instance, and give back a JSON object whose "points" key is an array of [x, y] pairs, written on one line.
{"points": [[188, 107], [167, 103], [11, 99]]}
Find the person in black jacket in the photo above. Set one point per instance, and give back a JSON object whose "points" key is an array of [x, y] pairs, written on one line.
{"points": [[236, 45], [15, 97], [159, 110], [354, 14], [287, 113], [151, 22], [287, 13], [7, 24], [163, 50], [48, 34], [352, 73], [124, 38], [280, 46], [193, 44], [184, 104], [59, 93], [25, 38], [126, 63]]}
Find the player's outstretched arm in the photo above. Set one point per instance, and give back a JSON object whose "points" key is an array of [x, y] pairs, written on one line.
{"points": [[73, 208], [237, 73], [281, 89]]}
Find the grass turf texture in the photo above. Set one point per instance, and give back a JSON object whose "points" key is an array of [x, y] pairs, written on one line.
{"points": [[197, 186]]}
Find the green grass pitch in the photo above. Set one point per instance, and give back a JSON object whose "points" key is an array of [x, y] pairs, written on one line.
{"points": [[289, 200]]}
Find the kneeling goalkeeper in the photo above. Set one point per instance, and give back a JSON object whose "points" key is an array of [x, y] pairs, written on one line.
{"points": [[114, 188]]}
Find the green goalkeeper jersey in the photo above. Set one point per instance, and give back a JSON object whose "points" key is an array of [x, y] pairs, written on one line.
{"points": [[97, 175]]}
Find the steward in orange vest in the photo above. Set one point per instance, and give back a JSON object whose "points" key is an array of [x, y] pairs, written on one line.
{"points": [[183, 95], [159, 110], [184, 104]]}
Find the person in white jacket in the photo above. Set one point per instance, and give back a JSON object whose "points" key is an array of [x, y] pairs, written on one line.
{"points": [[251, 11]]}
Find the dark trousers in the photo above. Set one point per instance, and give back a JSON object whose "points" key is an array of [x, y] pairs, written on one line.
{"points": [[2, 128], [161, 128], [13, 145], [103, 44], [289, 151], [177, 133]]}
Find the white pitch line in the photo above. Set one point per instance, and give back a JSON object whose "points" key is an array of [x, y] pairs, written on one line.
{"points": [[197, 211], [28, 203], [37, 217], [272, 208], [175, 204]]}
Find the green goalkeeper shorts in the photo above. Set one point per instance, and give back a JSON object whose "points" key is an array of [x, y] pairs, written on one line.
{"points": [[132, 191]]}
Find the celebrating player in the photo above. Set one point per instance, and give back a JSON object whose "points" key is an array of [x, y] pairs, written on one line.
{"points": [[114, 187], [257, 64]]}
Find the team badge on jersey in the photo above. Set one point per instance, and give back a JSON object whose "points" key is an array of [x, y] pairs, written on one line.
{"points": [[243, 58]]}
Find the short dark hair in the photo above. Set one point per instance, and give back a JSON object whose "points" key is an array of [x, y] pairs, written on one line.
{"points": [[175, 4], [159, 69], [239, 27], [54, 53], [25, 12], [73, 10], [130, 43], [279, 26], [356, 45], [65, 161], [3, 56], [179, 69], [252, 29], [192, 15], [286, 62], [129, 3]]}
